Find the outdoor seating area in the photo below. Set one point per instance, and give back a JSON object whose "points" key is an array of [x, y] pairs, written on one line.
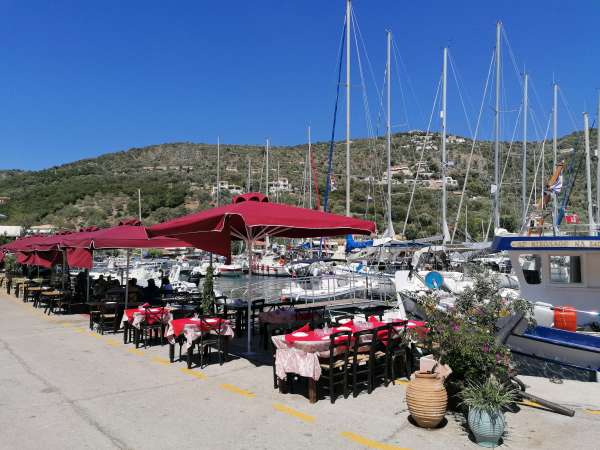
{"points": [[315, 351], [345, 358]]}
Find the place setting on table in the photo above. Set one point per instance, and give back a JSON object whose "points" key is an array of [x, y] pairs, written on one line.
{"points": [[188, 330], [299, 352], [145, 313]]}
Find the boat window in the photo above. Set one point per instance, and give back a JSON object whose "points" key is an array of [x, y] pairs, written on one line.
{"points": [[531, 265], [565, 269]]}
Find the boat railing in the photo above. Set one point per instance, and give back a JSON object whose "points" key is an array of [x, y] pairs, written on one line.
{"points": [[313, 289]]}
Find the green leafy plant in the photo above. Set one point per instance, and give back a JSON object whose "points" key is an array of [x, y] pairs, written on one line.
{"points": [[208, 293], [464, 335], [489, 396], [10, 264]]}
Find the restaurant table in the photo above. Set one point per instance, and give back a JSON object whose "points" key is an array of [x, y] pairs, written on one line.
{"points": [[94, 307], [192, 328], [17, 283], [52, 296], [136, 316], [299, 352], [35, 290], [241, 311]]}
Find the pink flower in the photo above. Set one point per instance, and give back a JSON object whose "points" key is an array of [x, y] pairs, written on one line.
{"points": [[485, 348]]}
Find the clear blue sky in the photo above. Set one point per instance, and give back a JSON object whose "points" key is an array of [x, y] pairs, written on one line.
{"points": [[81, 78]]}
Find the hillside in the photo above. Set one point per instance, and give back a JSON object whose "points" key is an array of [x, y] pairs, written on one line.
{"points": [[176, 178]]}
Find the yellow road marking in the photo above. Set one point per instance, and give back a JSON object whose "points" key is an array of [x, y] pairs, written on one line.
{"points": [[237, 390], [193, 373], [136, 351], [79, 330], [96, 335], [593, 411], [530, 403], [369, 442], [401, 381], [162, 361], [294, 413], [112, 342], [66, 324]]}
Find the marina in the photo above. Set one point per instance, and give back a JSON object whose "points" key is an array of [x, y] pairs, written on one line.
{"points": [[379, 286]]}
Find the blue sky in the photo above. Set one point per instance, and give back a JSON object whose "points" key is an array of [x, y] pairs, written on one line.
{"points": [[78, 79]]}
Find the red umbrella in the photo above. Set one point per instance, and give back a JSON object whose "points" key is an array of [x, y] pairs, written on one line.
{"points": [[250, 220], [251, 217]]}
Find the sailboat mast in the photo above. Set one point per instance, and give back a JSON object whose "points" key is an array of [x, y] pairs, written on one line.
{"points": [[218, 170], [555, 122], [445, 232], [524, 168], [390, 226], [348, 24], [586, 134], [249, 182], [267, 172], [309, 169], [598, 162], [497, 131]]}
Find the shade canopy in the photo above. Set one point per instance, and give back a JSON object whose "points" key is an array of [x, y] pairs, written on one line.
{"points": [[128, 234], [254, 218]]}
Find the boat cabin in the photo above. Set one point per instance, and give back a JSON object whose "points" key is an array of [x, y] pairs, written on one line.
{"points": [[559, 270]]}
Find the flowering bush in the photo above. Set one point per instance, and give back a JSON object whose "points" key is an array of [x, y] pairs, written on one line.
{"points": [[464, 335]]}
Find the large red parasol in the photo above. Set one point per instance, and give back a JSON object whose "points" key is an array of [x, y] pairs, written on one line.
{"points": [[251, 217]]}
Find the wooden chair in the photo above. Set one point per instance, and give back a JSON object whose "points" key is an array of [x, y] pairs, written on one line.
{"points": [[152, 324], [107, 317], [334, 365], [205, 342], [368, 360], [399, 351]]}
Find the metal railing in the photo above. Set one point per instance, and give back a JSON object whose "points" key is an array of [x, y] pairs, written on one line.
{"points": [[322, 288]]}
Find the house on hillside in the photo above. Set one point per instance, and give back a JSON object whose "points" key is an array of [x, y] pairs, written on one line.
{"points": [[225, 186], [279, 185], [436, 185], [42, 229], [11, 231]]}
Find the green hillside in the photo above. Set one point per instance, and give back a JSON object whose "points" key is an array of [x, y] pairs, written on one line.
{"points": [[176, 178]]}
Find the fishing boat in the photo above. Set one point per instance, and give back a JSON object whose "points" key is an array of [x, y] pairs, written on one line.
{"points": [[559, 275], [229, 270]]}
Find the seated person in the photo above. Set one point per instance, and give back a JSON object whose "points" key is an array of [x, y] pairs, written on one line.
{"points": [[99, 287], [151, 293], [166, 286], [134, 291]]}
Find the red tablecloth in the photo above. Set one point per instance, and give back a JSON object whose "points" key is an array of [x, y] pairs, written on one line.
{"points": [[205, 325], [151, 315]]}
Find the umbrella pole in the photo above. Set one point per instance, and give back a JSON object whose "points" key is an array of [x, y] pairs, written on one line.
{"points": [[63, 271], [87, 286], [249, 300], [127, 278]]}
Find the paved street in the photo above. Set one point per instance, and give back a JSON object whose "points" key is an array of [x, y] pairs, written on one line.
{"points": [[62, 386]]}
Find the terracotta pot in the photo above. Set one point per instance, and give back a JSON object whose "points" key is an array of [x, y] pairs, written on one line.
{"points": [[427, 399]]}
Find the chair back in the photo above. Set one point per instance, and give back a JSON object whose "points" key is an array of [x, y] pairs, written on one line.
{"points": [[258, 305], [339, 346], [214, 328], [154, 317], [340, 320]]}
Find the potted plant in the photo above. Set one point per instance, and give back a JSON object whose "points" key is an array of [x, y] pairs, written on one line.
{"points": [[208, 293], [486, 402], [463, 335]]}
